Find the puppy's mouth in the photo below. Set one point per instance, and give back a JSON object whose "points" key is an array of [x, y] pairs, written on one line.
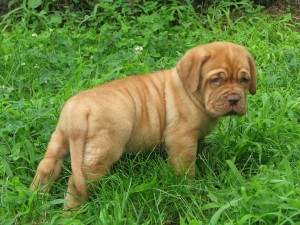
{"points": [[235, 111], [228, 113], [231, 113]]}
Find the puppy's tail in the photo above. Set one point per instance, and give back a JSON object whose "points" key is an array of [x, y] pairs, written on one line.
{"points": [[78, 127]]}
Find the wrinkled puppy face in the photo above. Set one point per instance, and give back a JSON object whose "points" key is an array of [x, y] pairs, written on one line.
{"points": [[225, 80], [220, 75]]}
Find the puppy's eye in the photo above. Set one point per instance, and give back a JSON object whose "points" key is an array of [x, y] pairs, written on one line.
{"points": [[244, 80], [216, 80]]}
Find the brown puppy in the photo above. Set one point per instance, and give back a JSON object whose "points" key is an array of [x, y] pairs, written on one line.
{"points": [[175, 107]]}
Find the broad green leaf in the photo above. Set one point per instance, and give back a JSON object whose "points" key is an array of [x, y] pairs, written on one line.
{"points": [[34, 3]]}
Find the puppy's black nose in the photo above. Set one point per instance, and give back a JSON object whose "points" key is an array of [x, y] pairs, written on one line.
{"points": [[233, 99]]}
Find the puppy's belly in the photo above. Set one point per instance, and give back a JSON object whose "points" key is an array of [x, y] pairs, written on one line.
{"points": [[146, 140]]}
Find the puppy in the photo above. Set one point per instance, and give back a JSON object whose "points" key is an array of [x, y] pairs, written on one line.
{"points": [[174, 107]]}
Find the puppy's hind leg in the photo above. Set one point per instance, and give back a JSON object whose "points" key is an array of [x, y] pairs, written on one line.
{"points": [[100, 154], [50, 167]]}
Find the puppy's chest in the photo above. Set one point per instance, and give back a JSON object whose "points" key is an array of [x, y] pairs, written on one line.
{"points": [[206, 125]]}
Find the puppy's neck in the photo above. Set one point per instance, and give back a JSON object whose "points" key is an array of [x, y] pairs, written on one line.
{"points": [[199, 102]]}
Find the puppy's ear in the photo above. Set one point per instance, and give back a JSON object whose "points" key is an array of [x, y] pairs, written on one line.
{"points": [[189, 67], [252, 88]]}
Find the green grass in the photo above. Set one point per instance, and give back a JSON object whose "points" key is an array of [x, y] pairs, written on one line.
{"points": [[249, 169]]}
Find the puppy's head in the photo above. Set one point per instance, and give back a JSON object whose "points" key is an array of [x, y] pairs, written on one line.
{"points": [[220, 75]]}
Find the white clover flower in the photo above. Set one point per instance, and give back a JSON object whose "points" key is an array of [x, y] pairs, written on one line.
{"points": [[23, 64], [91, 57], [34, 35], [36, 66], [138, 49]]}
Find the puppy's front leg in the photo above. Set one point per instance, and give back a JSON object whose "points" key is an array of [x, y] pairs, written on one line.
{"points": [[182, 151]]}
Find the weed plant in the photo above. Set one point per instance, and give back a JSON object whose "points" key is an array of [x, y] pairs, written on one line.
{"points": [[248, 170]]}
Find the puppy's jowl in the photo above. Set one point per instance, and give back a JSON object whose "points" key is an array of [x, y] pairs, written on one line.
{"points": [[175, 107]]}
